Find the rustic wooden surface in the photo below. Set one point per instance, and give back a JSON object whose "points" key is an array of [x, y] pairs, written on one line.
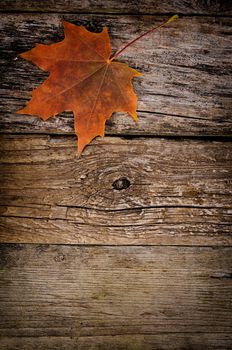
{"points": [[213, 7], [131, 242], [172, 192], [148, 297], [185, 90]]}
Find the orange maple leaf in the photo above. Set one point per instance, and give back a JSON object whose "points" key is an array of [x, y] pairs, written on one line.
{"points": [[83, 79]]}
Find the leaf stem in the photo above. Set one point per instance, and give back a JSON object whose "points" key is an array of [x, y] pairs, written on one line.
{"points": [[173, 18]]}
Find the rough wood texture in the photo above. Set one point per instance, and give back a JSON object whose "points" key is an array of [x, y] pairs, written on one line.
{"points": [[127, 297], [217, 7], [146, 191], [129, 190], [185, 90], [164, 341]]}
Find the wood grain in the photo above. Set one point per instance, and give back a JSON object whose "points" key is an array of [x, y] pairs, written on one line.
{"points": [[164, 341], [185, 90], [156, 212], [94, 297], [217, 7], [136, 191]]}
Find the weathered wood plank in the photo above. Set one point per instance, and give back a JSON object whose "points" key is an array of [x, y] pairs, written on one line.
{"points": [[170, 341], [217, 7], [166, 341], [137, 191], [91, 297], [185, 90]]}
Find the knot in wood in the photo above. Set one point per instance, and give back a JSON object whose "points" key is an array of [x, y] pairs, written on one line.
{"points": [[121, 184], [60, 257]]}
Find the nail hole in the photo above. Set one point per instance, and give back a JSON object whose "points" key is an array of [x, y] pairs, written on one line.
{"points": [[121, 184]]}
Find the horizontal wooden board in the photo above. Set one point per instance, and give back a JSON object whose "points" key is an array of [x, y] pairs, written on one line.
{"points": [[135, 191], [166, 341], [185, 90], [217, 7], [94, 297]]}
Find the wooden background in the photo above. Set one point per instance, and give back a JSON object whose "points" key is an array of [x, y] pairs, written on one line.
{"points": [[130, 246]]}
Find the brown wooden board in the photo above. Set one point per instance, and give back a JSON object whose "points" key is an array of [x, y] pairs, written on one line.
{"points": [[217, 7], [69, 297], [185, 90], [140, 225], [136, 191]]}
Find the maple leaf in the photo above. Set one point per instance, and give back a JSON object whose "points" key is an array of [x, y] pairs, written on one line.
{"points": [[83, 79]]}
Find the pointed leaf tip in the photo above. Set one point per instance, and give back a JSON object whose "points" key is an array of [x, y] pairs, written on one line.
{"points": [[134, 116]]}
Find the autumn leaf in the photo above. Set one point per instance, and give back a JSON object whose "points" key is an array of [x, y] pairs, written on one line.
{"points": [[83, 79]]}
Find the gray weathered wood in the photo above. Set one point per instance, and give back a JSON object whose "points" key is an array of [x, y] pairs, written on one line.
{"points": [[217, 7], [185, 90], [115, 297], [170, 192]]}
